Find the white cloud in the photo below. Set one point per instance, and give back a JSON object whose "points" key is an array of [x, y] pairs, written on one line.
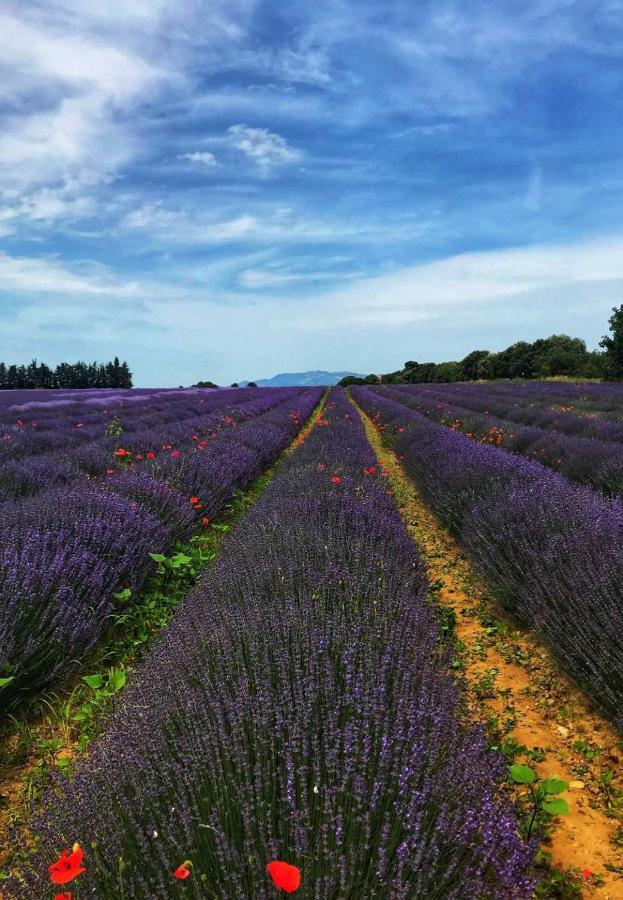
{"points": [[534, 193], [200, 156], [457, 285], [26, 274], [263, 278], [262, 145]]}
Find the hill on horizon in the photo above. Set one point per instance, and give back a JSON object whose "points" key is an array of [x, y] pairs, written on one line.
{"points": [[302, 379]]}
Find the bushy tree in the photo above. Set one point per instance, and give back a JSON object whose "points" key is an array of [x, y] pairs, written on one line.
{"points": [[613, 345], [469, 365]]}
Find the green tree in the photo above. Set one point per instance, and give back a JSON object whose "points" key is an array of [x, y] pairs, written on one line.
{"points": [[448, 372], [469, 365], [613, 345]]}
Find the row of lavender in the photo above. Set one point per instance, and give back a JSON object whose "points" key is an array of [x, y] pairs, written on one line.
{"points": [[552, 551], [66, 443], [598, 401], [65, 552], [539, 410], [299, 707], [586, 460]]}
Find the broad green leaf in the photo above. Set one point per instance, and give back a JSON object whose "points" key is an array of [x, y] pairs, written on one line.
{"points": [[94, 681], [158, 557], [556, 807], [117, 679], [123, 595], [5, 681], [522, 774], [553, 786]]}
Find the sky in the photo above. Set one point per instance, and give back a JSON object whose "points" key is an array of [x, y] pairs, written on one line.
{"points": [[228, 189]]}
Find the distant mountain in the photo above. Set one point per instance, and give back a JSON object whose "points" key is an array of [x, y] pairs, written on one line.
{"points": [[301, 379]]}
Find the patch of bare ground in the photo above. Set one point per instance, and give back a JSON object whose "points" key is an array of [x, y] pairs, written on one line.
{"points": [[533, 712]]}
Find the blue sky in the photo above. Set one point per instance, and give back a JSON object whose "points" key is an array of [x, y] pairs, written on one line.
{"points": [[232, 188]]}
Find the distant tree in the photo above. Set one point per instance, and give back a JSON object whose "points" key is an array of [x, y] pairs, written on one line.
{"points": [[65, 375], [487, 367], [448, 372], [356, 379], [235, 384], [251, 384], [391, 378], [205, 384], [469, 365], [613, 345], [559, 354], [594, 365]]}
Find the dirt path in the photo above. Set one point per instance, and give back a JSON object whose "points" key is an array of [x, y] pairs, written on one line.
{"points": [[531, 707]]}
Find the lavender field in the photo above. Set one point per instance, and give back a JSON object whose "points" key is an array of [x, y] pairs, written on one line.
{"points": [[302, 718]]}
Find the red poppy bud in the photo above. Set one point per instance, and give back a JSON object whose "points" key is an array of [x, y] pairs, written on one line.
{"points": [[66, 895], [286, 877], [150, 455], [175, 453], [205, 521], [194, 499], [336, 479]]}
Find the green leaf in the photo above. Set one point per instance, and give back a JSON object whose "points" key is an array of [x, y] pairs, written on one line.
{"points": [[522, 774], [5, 681], [554, 786], [94, 681], [63, 762], [85, 712], [556, 807], [123, 595], [117, 679], [158, 557]]}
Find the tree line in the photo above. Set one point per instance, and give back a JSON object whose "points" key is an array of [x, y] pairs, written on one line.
{"points": [[113, 374], [558, 354]]}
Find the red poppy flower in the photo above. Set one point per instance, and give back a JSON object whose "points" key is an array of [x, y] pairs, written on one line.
{"points": [[68, 866], [122, 452], [66, 895], [205, 521], [175, 453], [194, 500], [150, 455], [195, 437], [110, 471], [286, 877], [336, 479], [18, 422], [182, 871], [587, 874], [139, 455]]}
